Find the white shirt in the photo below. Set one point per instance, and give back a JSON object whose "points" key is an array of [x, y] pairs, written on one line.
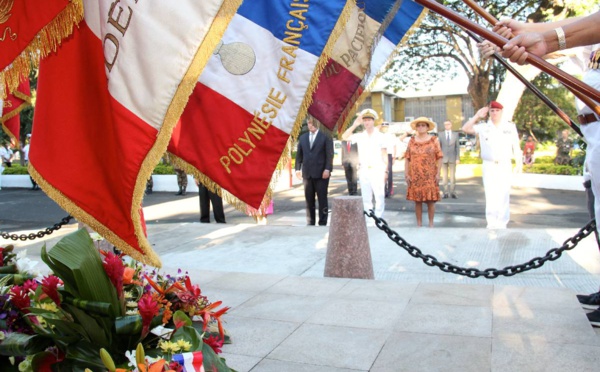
{"points": [[591, 78], [498, 143], [369, 149], [5, 154]]}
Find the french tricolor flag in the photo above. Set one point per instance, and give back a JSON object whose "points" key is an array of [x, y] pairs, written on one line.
{"points": [[407, 17], [108, 101], [191, 362], [340, 81], [255, 92]]}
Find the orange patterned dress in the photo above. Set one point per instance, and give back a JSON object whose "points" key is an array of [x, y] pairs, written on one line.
{"points": [[423, 158]]}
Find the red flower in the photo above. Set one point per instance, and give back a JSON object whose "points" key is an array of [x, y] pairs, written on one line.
{"points": [[49, 286], [148, 309], [20, 298], [30, 285], [113, 265], [215, 343]]}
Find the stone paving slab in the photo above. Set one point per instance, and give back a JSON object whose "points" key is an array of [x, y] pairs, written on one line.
{"points": [[401, 326]]}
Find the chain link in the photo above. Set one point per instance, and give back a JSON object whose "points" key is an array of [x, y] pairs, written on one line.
{"points": [[39, 234], [491, 273]]}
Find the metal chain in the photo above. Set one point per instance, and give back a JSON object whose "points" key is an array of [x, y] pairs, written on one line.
{"points": [[491, 273], [39, 234]]}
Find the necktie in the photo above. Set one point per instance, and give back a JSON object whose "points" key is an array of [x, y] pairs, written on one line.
{"points": [[349, 144], [448, 137], [311, 139]]}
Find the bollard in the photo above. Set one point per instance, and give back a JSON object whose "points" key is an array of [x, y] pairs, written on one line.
{"points": [[348, 249]]}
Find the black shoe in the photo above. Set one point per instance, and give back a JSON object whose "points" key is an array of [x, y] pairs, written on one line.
{"points": [[454, 196], [445, 196], [591, 302], [183, 192], [594, 318], [179, 193]]}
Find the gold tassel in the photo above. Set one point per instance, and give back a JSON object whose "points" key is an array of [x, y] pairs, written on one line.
{"points": [[45, 42]]}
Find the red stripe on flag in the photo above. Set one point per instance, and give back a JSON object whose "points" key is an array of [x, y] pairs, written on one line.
{"points": [[87, 146], [336, 87], [215, 149]]}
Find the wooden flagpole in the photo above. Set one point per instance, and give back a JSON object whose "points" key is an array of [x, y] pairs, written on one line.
{"points": [[492, 20], [570, 82], [533, 89]]}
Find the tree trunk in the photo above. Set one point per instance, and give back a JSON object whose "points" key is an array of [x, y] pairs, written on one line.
{"points": [[478, 90]]}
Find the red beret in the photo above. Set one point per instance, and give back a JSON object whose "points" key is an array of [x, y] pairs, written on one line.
{"points": [[496, 105]]}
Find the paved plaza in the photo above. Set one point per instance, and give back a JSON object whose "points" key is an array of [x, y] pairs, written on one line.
{"points": [[286, 316]]}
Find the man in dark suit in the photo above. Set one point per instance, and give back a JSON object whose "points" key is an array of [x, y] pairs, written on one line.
{"points": [[350, 164], [449, 143], [314, 163]]}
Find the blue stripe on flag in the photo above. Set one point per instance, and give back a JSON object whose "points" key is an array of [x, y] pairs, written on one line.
{"points": [[408, 13], [377, 10], [273, 15]]}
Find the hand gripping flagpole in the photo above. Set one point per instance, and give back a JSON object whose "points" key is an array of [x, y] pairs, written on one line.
{"points": [[533, 88], [492, 20], [586, 93]]}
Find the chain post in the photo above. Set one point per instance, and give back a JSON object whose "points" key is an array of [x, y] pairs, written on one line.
{"points": [[491, 273]]}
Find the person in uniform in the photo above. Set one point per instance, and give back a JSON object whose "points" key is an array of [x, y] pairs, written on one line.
{"points": [[499, 143], [372, 156], [563, 149]]}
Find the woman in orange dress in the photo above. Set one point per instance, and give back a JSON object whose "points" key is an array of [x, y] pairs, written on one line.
{"points": [[423, 160]]}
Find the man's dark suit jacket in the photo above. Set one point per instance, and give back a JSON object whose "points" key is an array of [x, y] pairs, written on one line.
{"points": [[349, 157], [314, 161]]}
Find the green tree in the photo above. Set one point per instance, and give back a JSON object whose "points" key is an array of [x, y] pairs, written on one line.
{"points": [[535, 118], [438, 49]]}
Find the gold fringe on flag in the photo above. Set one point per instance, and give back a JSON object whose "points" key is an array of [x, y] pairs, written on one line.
{"points": [[26, 103], [47, 40], [217, 29], [352, 108], [178, 103], [312, 86], [284, 158]]}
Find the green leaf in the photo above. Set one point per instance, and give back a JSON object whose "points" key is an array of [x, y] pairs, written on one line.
{"points": [[128, 325], [180, 318], [77, 262], [19, 344], [8, 269], [190, 335], [213, 362], [102, 308], [97, 329]]}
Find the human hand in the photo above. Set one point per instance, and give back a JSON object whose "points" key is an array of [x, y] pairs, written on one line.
{"points": [[482, 112], [518, 49], [509, 28], [487, 49], [325, 174], [299, 174]]}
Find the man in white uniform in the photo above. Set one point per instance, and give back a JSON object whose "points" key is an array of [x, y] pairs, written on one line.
{"points": [[372, 157], [499, 143]]}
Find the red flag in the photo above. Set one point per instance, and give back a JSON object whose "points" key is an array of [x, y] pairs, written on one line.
{"points": [[107, 103], [12, 106], [30, 29]]}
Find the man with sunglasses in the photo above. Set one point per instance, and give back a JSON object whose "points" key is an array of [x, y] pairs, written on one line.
{"points": [[499, 144]]}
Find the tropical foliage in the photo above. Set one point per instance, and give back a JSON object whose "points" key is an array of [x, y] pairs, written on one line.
{"points": [[95, 301]]}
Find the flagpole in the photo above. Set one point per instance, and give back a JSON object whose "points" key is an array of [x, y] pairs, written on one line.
{"points": [[532, 88], [587, 92], [492, 20]]}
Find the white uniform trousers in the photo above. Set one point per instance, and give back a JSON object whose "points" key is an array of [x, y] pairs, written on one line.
{"points": [[591, 133], [372, 185], [497, 179]]}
